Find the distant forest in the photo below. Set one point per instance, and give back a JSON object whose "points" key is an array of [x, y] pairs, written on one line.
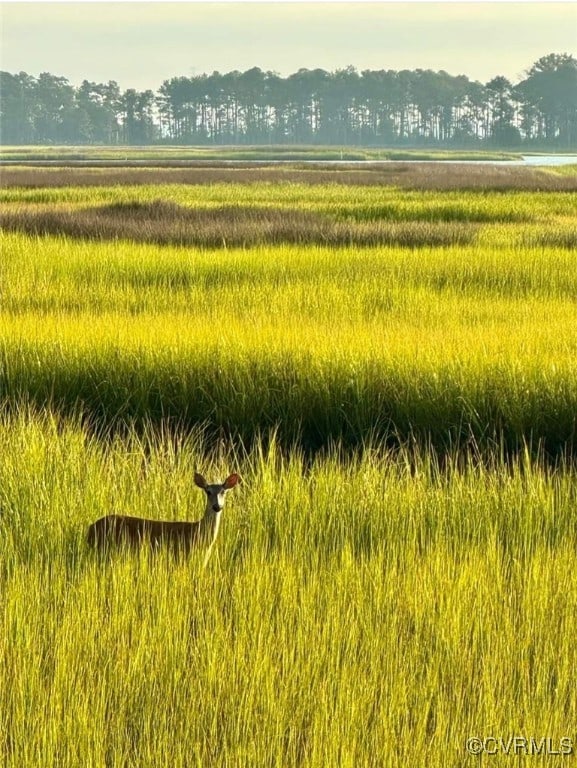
{"points": [[345, 107]]}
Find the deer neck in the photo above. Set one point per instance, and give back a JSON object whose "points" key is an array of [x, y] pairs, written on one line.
{"points": [[209, 525]]}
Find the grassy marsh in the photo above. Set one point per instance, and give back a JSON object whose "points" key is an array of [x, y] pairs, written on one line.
{"points": [[362, 611], [174, 154], [443, 343], [414, 175], [375, 602]]}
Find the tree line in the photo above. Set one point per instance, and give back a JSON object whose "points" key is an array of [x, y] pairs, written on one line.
{"points": [[344, 107]]}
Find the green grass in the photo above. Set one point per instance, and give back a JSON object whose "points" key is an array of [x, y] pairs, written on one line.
{"points": [[445, 344], [364, 203], [366, 611], [162, 154], [396, 572]]}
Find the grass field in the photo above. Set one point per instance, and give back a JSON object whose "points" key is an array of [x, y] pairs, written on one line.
{"points": [[391, 370], [165, 155], [413, 175], [329, 313]]}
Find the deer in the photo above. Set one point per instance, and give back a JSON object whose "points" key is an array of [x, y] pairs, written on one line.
{"points": [[136, 531]]}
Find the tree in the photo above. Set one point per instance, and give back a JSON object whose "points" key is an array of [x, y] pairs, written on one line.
{"points": [[138, 117], [382, 107], [502, 131], [549, 98], [100, 106], [17, 108], [54, 119]]}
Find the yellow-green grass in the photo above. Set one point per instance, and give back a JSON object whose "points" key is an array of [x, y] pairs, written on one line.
{"points": [[474, 339], [364, 611], [338, 200], [364, 607], [161, 153], [445, 344], [231, 215], [414, 175]]}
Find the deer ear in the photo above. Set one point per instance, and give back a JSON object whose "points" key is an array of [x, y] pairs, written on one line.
{"points": [[199, 480], [231, 481]]}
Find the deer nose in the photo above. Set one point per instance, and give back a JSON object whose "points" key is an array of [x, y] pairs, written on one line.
{"points": [[216, 507]]}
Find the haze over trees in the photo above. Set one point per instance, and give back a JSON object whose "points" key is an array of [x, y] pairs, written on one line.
{"points": [[344, 107]]}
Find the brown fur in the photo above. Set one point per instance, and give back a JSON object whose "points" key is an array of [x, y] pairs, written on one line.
{"points": [[114, 530]]}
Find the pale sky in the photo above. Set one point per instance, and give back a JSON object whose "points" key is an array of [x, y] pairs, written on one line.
{"points": [[141, 44]]}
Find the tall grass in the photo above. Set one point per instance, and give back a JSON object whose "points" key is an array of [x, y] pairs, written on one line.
{"points": [[168, 154], [231, 226], [374, 603], [365, 611], [414, 175], [444, 345], [339, 200]]}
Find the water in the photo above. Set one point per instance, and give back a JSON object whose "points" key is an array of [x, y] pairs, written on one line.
{"points": [[547, 160], [524, 160]]}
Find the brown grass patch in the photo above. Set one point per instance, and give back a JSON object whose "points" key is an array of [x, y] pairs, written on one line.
{"points": [[410, 175], [165, 223], [559, 238]]}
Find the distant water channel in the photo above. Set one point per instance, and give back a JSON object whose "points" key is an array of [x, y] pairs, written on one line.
{"points": [[528, 160], [524, 160], [535, 160], [547, 160]]}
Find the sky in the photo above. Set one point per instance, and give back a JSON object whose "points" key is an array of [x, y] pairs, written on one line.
{"points": [[142, 44]]}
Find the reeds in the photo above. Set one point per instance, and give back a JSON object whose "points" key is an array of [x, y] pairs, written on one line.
{"points": [[397, 572], [413, 175], [444, 346], [359, 611], [230, 226]]}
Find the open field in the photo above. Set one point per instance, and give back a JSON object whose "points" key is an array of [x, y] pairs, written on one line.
{"points": [[356, 612], [390, 368], [414, 175], [327, 312], [169, 155]]}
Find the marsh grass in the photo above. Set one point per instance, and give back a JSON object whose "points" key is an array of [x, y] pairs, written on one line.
{"points": [[451, 346], [397, 571], [166, 223], [241, 391], [561, 237], [168, 154], [362, 611], [413, 175], [337, 202]]}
